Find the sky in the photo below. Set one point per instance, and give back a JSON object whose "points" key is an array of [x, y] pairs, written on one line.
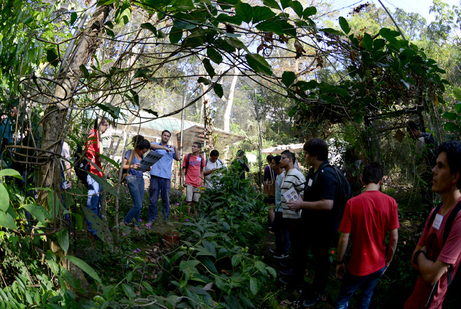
{"points": [[418, 6]]}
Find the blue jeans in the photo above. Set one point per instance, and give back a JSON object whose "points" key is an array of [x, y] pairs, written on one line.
{"points": [[136, 188], [158, 184], [94, 201], [351, 284]]}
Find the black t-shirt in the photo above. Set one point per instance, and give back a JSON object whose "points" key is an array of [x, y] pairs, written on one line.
{"points": [[324, 187]]}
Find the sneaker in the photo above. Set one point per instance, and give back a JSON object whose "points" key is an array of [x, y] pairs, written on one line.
{"points": [[289, 282], [286, 272], [280, 256], [311, 301]]}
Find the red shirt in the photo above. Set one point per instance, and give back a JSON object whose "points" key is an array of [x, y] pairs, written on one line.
{"points": [[450, 253], [368, 217], [196, 164], [92, 149]]}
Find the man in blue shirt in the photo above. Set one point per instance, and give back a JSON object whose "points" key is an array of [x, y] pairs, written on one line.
{"points": [[6, 131], [160, 178]]}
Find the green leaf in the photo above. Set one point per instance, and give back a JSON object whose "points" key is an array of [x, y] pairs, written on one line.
{"points": [[204, 81], [297, 7], [184, 5], [367, 42], [261, 267], [344, 25], [150, 27], [258, 63], [150, 111], [6, 220], [236, 260], [261, 13], [128, 290], [214, 55], [105, 2], [123, 14], [378, 44], [244, 11], [254, 286], [458, 108], [272, 4], [4, 198], [209, 264], [457, 93], [184, 265], [270, 26], [288, 78], [142, 73], [208, 67], [272, 271], [175, 35], [84, 71], [332, 31], [73, 18], [218, 90], [236, 43], [285, 3], [38, 212], [358, 118], [52, 57], [85, 267], [10, 172], [309, 11], [451, 127], [63, 239], [450, 115], [184, 24]]}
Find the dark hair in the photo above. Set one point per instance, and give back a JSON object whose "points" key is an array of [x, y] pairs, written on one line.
{"points": [[289, 154], [317, 147], [453, 151], [411, 125], [269, 158], [214, 153], [240, 152], [96, 126], [277, 159], [165, 131], [199, 145], [140, 142], [372, 172]]}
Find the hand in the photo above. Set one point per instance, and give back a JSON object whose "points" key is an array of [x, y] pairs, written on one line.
{"points": [[148, 169], [295, 205], [135, 166], [168, 148], [340, 271]]}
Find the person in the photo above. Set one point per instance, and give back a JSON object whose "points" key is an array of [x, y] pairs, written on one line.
{"points": [[425, 150], [318, 224], [437, 256], [160, 178], [294, 181], [282, 241], [134, 179], [212, 166], [193, 165], [66, 178], [241, 164], [94, 148], [269, 178], [6, 129], [367, 219]]}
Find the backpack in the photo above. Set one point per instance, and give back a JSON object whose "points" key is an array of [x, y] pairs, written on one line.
{"points": [[81, 164], [188, 160], [343, 195], [446, 232]]}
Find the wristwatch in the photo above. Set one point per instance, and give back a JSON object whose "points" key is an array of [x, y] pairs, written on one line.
{"points": [[417, 253]]}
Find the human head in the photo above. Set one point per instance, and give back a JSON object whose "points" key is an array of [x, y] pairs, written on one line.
{"points": [[413, 129], [316, 147], [269, 158], [140, 144], [275, 163], [372, 172], [452, 149], [196, 147], [214, 154], [240, 153], [104, 124], [166, 136], [289, 155]]}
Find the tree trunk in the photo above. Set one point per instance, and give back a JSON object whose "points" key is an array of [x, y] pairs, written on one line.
{"points": [[230, 101]]}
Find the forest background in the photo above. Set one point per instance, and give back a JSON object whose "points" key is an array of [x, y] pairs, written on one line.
{"points": [[295, 66]]}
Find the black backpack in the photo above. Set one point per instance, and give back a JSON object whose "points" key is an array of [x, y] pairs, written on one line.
{"points": [[343, 195], [81, 164]]}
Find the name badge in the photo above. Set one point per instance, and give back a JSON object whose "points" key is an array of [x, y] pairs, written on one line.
{"points": [[309, 183], [437, 221], [199, 159]]}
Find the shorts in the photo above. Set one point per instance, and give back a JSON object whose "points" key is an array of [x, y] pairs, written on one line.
{"points": [[192, 193]]}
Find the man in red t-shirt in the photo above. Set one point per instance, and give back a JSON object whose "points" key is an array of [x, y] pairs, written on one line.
{"points": [[368, 217], [94, 148], [436, 256], [193, 165]]}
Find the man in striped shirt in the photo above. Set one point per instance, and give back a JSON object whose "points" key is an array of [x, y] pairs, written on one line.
{"points": [[292, 189]]}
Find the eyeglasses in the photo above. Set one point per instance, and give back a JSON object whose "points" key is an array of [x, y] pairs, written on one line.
{"points": [[283, 158]]}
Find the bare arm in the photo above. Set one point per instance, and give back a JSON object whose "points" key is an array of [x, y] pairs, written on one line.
{"points": [[430, 271], [177, 155], [317, 205], [126, 166], [206, 173], [342, 246], [394, 237], [156, 146]]}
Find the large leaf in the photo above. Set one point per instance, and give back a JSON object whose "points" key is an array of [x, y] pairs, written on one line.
{"points": [[6, 220], [128, 290], [254, 286], [208, 67], [270, 26], [10, 172], [150, 27], [451, 127], [244, 11], [52, 57], [272, 4], [123, 13], [457, 93], [175, 35], [218, 90], [458, 108], [297, 7], [450, 115], [258, 63], [309, 11], [261, 13], [344, 25], [214, 55], [39, 212], [4, 198], [288, 78], [85, 267], [63, 239]]}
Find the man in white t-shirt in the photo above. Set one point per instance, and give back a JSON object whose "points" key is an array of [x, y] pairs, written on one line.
{"points": [[213, 164]]}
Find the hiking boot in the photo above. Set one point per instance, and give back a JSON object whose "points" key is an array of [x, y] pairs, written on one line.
{"points": [[312, 300]]}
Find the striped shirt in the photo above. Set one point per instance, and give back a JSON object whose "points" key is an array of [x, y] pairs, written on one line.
{"points": [[293, 179]]}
